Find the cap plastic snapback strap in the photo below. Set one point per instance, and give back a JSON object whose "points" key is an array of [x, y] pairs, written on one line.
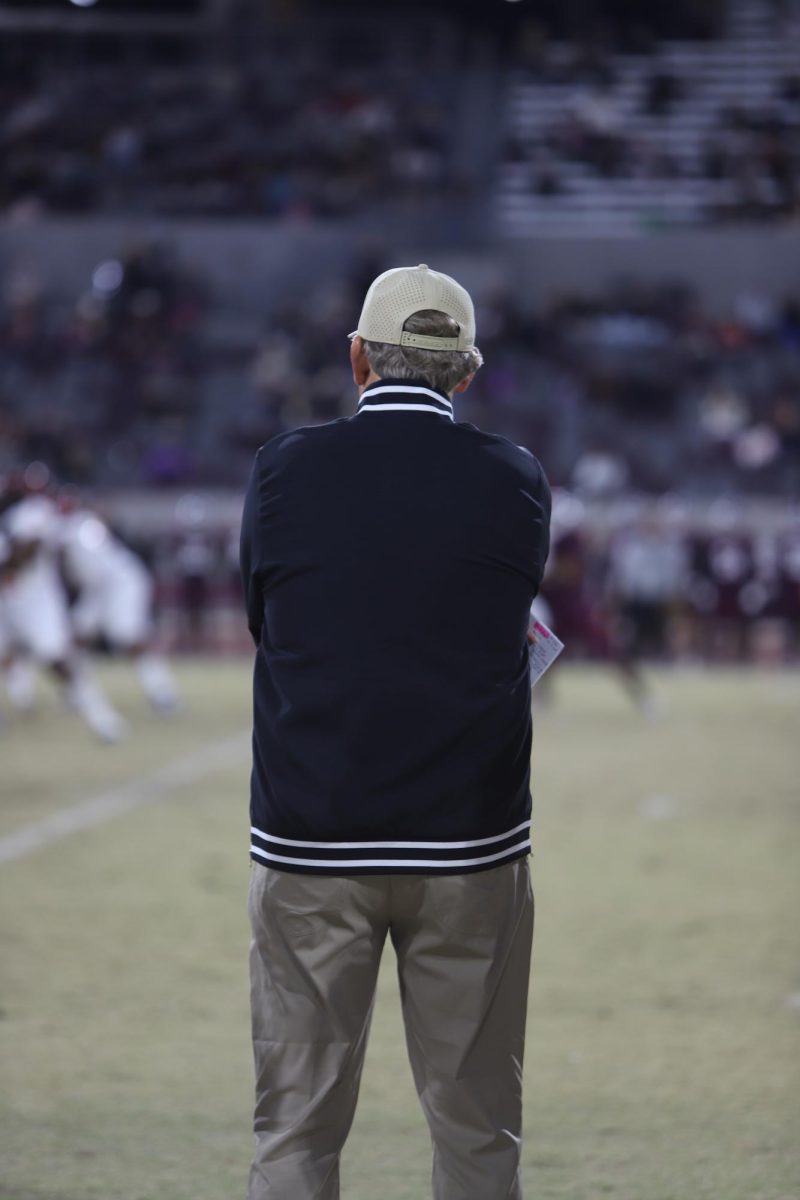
{"points": [[425, 342]]}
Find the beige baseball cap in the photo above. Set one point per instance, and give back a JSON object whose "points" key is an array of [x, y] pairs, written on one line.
{"points": [[395, 295]]}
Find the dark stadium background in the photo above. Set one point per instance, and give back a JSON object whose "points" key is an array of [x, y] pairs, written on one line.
{"points": [[617, 182], [194, 195]]}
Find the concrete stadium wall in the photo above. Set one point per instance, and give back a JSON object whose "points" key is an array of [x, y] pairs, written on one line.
{"points": [[245, 263], [719, 263], [144, 512], [250, 264]]}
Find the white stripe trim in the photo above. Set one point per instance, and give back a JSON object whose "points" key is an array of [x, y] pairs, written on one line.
{"points": [[442, 845], [440, 412], [416, 391], [391, 862]]}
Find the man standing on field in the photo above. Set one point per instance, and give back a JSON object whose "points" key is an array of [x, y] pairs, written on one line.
{"points": [[389, 562]]}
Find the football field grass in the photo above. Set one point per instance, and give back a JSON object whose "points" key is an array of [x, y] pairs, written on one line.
{"points": [[663, 1057]]}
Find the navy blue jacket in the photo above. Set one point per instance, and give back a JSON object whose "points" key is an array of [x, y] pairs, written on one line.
{"points": [[389, 561]]}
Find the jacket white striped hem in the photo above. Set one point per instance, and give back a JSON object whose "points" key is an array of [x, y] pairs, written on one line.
{"points": [[342, 865], [438, 845]]}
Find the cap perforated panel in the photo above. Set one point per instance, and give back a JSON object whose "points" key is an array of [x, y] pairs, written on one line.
{"points": [[398, 293]]}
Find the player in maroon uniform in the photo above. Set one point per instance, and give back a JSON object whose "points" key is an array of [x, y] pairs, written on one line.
{"points": [[574, 617], [576, 613]]}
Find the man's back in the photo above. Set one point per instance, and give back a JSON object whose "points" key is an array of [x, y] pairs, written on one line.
{"points": [[390, 561]]}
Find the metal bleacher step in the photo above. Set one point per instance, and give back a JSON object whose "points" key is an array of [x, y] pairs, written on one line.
{"points": [[740, 71]]}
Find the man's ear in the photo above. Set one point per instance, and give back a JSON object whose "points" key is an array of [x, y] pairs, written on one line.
{"points": [[462, 387], [359, 362]]}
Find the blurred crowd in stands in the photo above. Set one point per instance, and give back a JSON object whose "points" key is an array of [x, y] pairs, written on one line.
{"points": [[215, 133], [287, 126], [124, 361], [143, 379]]}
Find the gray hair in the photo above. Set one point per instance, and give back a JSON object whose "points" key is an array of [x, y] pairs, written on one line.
{"points": [[441, 369]]}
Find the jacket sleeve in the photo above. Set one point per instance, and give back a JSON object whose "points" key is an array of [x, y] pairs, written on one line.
{"points": [[249, 557]]}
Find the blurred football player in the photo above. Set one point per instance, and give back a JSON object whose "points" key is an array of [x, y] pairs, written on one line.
{"points": [[6, 651], [572, 599], [34, 613], [114, 592], [648, 570]]}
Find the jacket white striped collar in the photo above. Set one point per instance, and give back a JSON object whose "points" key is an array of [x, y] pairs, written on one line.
{"points": [[404, 395]]}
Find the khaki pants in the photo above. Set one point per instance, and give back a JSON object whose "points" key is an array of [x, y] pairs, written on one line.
{"points": [[463, 945]]}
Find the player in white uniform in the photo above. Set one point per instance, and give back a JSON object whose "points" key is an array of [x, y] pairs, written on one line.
{"points": [[6, 651], [35, 618], [114, 599]]}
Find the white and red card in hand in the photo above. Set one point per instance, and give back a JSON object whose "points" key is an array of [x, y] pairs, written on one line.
{"points": [[543, 650]]}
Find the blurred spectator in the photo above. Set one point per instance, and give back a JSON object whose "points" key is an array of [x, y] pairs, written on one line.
{"points": [[662, 89], [195, 561]]}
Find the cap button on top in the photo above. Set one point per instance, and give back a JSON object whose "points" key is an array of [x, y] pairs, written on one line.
{"points": [[423, 267]]}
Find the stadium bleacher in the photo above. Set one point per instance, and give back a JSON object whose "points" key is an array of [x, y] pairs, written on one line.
{"points": [[693, 133]]}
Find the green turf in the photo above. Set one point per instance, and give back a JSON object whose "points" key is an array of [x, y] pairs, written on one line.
{"points": [[663, 1049]]}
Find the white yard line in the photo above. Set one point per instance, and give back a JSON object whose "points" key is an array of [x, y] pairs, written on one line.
{"points": [[229, 752]]}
